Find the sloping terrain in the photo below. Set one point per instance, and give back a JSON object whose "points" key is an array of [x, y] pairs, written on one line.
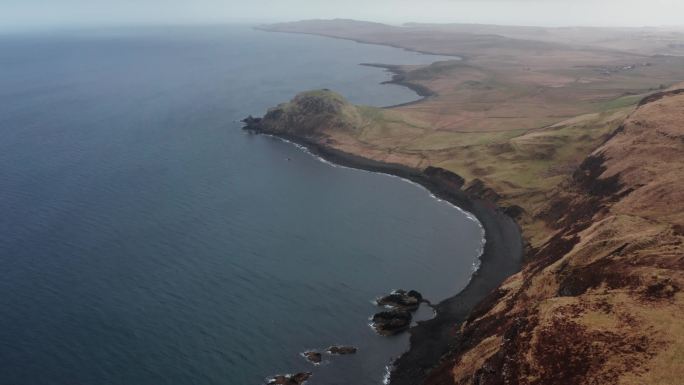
{"points": [[600, 301]]}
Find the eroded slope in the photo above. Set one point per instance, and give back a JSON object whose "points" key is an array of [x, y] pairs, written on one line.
{"points": [[600, 301]]}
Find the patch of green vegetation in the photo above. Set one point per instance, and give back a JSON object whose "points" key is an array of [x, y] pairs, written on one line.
{"points": [[621, 102], [387, 127], [442, 140], [324, 94], [381, 115], [524, 161]]}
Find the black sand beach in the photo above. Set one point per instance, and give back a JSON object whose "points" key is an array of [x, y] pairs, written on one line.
{"points": [[501, 257]]}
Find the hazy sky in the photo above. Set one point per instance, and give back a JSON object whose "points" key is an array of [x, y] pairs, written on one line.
{"points": [[48, 13]]}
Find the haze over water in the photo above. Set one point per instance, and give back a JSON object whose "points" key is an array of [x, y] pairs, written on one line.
{"points": [[146, 239]]}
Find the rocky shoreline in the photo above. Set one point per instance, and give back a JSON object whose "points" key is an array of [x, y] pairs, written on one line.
{"points": [[501, 257]]}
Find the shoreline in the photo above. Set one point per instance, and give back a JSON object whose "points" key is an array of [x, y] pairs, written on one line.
{"points": [[399, 78], [307, 149], [501, 257]]}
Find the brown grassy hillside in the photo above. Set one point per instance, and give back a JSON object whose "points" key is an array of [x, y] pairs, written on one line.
{"points": [[601, 301]]}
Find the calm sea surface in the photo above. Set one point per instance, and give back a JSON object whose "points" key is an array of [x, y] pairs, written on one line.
{"points": [[146, 240]]}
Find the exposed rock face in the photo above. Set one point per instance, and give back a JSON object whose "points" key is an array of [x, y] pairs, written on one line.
{"points": [[477, 188], [659, 95], [341, 350], [600, 301], [445, 177], [391, 322], [290, 379]]}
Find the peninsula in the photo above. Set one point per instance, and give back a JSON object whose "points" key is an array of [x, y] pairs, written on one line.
{"points": [[575, 134]]}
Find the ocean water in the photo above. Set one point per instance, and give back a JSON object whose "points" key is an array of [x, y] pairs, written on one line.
{"points": [[146, 239]]}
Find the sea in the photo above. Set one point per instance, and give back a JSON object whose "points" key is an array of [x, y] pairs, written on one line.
{"points": [[146, 239]]}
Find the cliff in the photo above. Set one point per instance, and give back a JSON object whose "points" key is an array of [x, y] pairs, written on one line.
{"points": [[600, 301]]}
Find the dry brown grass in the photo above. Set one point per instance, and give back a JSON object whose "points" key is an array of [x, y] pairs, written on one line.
{"points": [[614, 298]]}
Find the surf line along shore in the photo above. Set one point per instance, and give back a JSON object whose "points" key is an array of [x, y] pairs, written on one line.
{"points": [[501, 256]]}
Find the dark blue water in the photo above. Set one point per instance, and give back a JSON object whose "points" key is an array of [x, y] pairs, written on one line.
{"points": [[145, 239]]}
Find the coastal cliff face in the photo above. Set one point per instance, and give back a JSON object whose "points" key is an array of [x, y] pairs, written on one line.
{"points": [[600, 301]]}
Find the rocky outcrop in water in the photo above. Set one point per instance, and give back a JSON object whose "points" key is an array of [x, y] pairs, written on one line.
{"points": [[313, 357], [401, 304], [341, 350], [290, 379], [391, 322], [401, 299]]}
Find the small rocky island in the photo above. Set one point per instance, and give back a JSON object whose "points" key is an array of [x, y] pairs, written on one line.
{"points": [[401, 299], [398, 317], [391, 322], [313, 357]]}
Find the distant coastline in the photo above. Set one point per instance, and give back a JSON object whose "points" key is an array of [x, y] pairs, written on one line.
{"points": [[398, 74], [399, 78], [266, 28]]}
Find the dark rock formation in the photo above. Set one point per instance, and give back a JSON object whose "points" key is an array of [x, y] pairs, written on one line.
{"points": [[313, 357], [444, 177], [391, 322], [478, 189], [289, 379], [401, 299], [341, 350], [250, 120]]}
